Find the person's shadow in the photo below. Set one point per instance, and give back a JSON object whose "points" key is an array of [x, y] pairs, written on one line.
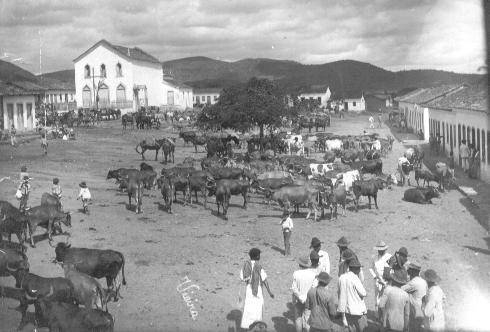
{"points": [[281, 323]]}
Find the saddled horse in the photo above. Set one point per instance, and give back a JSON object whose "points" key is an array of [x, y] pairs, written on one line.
{"points": [[145, 145]]}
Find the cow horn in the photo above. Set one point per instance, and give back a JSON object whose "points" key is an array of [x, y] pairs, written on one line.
{"points": [[51, 291], [10, 269]]}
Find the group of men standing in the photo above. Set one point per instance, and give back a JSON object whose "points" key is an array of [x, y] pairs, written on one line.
{"points": [[405, 298]]}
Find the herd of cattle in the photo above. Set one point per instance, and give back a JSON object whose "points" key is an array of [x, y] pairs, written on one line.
{"points": [[57, 300], [352, 168]]}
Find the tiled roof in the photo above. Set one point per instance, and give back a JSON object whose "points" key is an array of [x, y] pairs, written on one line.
{"points": [[467, 97], [425, 95], [54, 84], [134, 53], [207, 91], [19, 88]]}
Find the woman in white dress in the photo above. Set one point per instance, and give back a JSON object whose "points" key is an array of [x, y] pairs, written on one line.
{"points": [[254, 276]]}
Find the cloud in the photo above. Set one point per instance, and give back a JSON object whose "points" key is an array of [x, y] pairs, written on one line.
{"points": [[390, 34]]}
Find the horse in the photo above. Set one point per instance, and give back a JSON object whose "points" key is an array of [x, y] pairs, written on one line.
{"points": [[168, 149], [127, 119], [144, 145]]}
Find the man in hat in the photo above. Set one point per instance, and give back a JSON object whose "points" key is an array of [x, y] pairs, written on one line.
{"points": [[378, 265], [84, 195], [351, 298], [433, 303], [303, 280], [395, 303], [25, 189], [416, 289], [396, 262], [346, 257], [254, 276], [321, 305], [287, 227], [23, 172], [56, 189], [258, 326], [324, 263]]}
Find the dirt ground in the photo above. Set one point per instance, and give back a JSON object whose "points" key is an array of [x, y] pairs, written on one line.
{"points": [[195, 245]]}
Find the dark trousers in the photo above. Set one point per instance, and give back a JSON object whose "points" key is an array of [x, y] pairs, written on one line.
{"points": [[23, 203], [357, 323], [287, 245]]}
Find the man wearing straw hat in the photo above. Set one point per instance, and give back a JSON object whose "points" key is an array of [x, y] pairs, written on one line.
{"points": [[351, 298], [416, 289], [433, 303], [303, 280], [395, 304], [377, 268], [321, 305], [324, 263]]}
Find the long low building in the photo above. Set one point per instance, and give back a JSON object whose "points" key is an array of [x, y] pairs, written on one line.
{"points": [[207, 96], [17, 104], [454, 112]]}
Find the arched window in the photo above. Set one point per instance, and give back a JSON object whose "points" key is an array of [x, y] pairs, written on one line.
{"points": [[86, 96], [119, 70], [87, 71], [120, 93], [102, 70]]}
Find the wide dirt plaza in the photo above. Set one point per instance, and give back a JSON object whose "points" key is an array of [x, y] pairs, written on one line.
{"points": [[162, 250]]}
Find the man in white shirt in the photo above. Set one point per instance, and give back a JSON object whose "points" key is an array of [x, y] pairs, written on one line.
{"points": [[378, 265], [324, 263], [351, 298], [416, 289], [287, 227], [303, 280]]}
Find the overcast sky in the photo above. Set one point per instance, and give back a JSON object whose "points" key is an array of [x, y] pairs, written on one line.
{"points": [[393, 34]]}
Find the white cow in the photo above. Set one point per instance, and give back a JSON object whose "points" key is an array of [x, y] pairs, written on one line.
{"points": [[333, 144], [348, 178], [376, 145], [321, 169]]}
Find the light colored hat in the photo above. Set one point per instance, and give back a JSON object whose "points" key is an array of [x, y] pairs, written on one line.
{"points": [[381, 245]]}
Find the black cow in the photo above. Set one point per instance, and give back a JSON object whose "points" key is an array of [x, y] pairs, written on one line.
{"points": [[98, 263], [120, 175], [215, 147], [167, 189], [69, 317], [367, 188], [145, 167], [187, 136], [46, 216], [369, 166], [12, 221], [12, 260], [49, 199], [198, 140], [168, 150], [198, 181], [420, 195], [36, 287], [234, 187]]}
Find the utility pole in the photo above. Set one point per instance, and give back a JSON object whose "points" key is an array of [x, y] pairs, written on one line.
{"points": [[96, 88]]}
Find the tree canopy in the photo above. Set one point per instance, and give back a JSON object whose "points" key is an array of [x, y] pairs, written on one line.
{"points": [[259, 102]]}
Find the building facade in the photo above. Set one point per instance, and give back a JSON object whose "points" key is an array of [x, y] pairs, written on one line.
{"points": [[206, 96], [354, 103], [17, 105], [320, 94], [124, 78]]}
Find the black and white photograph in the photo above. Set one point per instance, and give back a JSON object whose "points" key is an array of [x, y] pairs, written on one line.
{"points": [[235, 166]]}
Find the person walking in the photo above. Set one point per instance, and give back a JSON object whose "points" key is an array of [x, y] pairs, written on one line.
{"points": [[395, 304], [254, 276], [416, 289], [287, 227], [433, 303], [84, 195], [13, 133], [25, 189], [379, 262], [44, 143], [380, 119], [371, 122], [321, 305], [450, 163], [464, 153], [324, 263], [351, 299], [303, 280], [474, 172]]}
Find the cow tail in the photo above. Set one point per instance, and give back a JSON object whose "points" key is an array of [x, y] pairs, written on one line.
{"points": [[124, 277]]}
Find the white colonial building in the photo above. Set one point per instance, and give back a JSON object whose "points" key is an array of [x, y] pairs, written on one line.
{"points": [[17, 104], [208, 96], [125, 78], [318, 93], [354, 102]]}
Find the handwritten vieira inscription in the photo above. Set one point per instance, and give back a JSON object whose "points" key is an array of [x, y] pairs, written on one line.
{"points": [[188, 292]]}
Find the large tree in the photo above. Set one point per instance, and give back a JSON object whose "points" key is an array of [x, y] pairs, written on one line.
{"points": [[259, 103]]}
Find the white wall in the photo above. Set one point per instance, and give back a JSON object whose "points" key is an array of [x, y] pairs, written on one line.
{"points": [[198, 98], [150, 75], [104, 55], [359, 107], [24, 100]]}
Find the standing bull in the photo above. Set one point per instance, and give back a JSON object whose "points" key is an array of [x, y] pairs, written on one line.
{"points": [[296, 195], [46, 216]]}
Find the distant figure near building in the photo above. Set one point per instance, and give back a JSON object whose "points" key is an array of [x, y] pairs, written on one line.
{"points": [[371, 122], [464, 153]]}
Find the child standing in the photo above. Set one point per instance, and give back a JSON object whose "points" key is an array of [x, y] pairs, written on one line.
{"points": [[23, 173], [56, 189], [25, 189], [287, 226], [84, 195]]}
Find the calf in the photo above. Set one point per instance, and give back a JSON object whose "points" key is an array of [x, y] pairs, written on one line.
{"points": [[69, 317], [50, 200], [86, 290], [420, 195], [46, 216], [135, 190], [367, 188], [167, 190], [334, 198], [424, 174]]}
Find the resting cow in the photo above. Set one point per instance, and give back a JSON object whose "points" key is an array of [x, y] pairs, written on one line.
{"points": [[420, 195]]}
